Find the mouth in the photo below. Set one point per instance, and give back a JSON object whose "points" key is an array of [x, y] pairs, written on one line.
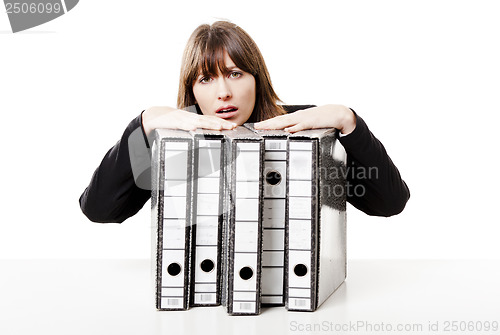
{"points": [[226, 112]]}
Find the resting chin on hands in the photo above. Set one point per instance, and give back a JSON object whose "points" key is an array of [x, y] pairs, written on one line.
{"points": [[172, 118], [327, 116]]}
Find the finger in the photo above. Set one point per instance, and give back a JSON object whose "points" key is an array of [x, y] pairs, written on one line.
{"points": [[230, 125], [268, 124], [208, 124], [194, 122], [225, 124], [296, 128], [187, 126], [214, 123], [278, 122]]}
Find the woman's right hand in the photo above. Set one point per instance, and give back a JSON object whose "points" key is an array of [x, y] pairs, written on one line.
{"points": [[172, 118]]}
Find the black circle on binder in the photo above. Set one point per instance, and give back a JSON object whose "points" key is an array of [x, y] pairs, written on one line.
{"points": [[246, 273], [273, 177], [207, 265], [300, 270], [174, 269]]}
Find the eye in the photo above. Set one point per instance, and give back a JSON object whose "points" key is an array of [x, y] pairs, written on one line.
{"points": [[235, 74], [205, 80]]}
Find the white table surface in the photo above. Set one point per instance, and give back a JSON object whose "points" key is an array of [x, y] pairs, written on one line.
{"points": [[114, 297]]}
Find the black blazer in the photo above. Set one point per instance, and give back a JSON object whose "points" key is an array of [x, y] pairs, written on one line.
{"points": [[120, 186]]}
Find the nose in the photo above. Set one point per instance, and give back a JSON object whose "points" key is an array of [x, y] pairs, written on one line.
{"points": [[224, 91]]}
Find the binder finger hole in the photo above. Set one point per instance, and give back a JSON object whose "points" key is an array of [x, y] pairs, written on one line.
{"points": [[207, 265], [246, 273], [174, 269], [273, 177], [300, 270]]}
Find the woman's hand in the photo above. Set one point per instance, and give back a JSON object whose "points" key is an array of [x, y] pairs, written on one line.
{"points": [[172, 118], [327, 116]]}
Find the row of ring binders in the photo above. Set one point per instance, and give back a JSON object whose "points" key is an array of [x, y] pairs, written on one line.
{"points": [[246, 218]]}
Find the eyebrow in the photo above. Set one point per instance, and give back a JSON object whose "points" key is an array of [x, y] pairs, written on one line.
{"points": [[228, 69], [232, 68]]}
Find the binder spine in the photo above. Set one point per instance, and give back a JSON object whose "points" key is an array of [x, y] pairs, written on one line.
{"points": [[301, 227], [273, 221], [174, 224], [155, 219], [207, 221], [226, 213], [245, 228]]}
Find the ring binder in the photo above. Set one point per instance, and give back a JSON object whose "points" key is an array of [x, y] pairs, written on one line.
{"points": [[273, 221], [243, 221], [172, 214], [315, 252], [207, 217]]}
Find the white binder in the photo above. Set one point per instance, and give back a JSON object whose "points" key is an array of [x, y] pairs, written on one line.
{"points": [[243, 221], [315, 245], [273, 220], [208, 194], [172, 164]]}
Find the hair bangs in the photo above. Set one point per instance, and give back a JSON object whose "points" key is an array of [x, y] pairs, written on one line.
{"points": [[211, 56], [211, 61]]}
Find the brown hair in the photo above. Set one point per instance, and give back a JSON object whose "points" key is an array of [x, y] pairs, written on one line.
{"points": [[204, 54]]}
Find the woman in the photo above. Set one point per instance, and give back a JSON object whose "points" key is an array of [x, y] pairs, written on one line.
{"points": [[224, 83]]}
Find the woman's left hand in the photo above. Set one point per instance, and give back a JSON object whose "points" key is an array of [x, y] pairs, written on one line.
{"points": [[327, 116]]}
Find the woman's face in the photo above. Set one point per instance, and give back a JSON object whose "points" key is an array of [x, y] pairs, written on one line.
{"points": [[230, 95]]}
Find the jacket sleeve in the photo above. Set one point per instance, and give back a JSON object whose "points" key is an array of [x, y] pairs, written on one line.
{"points": [[374, 184], [120, 186]]}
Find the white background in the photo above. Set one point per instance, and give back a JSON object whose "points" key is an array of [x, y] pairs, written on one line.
{"points": [[424, 75]]}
